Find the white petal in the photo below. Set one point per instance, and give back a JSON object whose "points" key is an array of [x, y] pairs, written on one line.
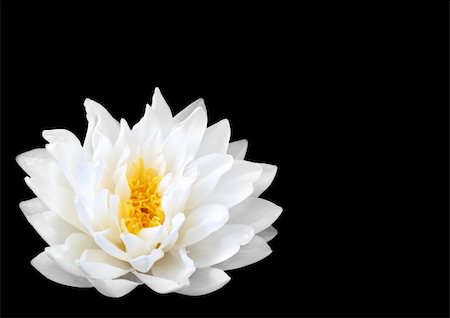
{"points": [[210, 169], [158, 284], [49, 226], [104, 150], [266, 178], [146, 128], [268, 234], [175, 265], [256, 212], [122, 187], [123, 157], [242, 171], [114, 211], [95, 263], [100, 122], [205, 281], [187, 111], [83, 214], [236, 184], [162, 110], [124, 144], [47, 267], [86, 178], [144, 263], [185, 138], [100, 209], [134, 245], [56, 198], [170, 240], [201, 222], [66, 254], [35, 162], [39, 163], [93, 210], [66, 149], [152, 235], [103, 239], [175, 198], [251, 253], [215, 139], [62, 136], [238, 149], [152, 153], [165, 183], [230, 194], [220, 245], [114, 287], [32, 206]]}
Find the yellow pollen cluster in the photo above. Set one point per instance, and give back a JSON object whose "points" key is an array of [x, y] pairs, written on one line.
{"points": [[143, 208]]}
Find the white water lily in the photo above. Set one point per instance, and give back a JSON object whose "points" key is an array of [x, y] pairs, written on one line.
{"points": [[169, 203]]}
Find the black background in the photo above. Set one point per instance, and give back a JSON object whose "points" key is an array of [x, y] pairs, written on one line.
{"points": [[349, 99]]}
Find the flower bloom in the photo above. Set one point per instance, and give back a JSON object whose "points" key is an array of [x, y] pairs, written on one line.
{"points": [[169, 203]]}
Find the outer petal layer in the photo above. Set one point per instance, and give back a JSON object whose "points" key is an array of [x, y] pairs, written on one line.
{"points": [[50, 226], [221, 245], [238, 149], [205, 281], [160, 285], [114, 287], [267, 176], [268, 234], [256, 212], [251, 253], [47, 267], [202, 222], [99, 265]]}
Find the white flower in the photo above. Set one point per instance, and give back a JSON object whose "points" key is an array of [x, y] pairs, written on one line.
{"points": [[169, 203]]}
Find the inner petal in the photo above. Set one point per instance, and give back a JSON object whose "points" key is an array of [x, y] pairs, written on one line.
{"points": [[143, 209]]}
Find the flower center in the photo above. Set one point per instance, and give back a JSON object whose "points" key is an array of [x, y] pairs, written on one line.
{"points": [[143, 208]]}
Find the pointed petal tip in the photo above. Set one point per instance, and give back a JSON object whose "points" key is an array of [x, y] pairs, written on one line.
{"points": [[202, 111], [88, 103], [238, 149], [224, 123], [27, 180], [268, 234], [272, 167], [157, 92], [19, 160], [46, 134], [205, 281], [32, 206], [200, 102], [123, 122]]}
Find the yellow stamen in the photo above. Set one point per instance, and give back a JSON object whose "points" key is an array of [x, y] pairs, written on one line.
{"points": [[143, 208]]}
